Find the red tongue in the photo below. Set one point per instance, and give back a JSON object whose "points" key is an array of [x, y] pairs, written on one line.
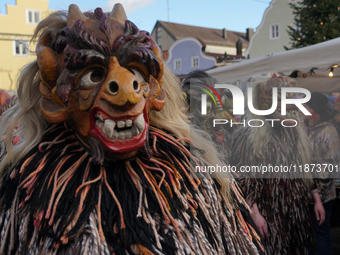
{"points": [[219, 136]]}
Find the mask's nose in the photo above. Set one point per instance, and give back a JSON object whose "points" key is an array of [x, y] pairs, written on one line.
{"points": [[121, 88]]}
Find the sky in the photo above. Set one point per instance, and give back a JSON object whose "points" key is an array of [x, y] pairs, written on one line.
{"points": [[235, 15]]}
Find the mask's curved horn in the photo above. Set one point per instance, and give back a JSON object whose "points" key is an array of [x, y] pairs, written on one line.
{"points": [[118, 14], [74, 14]]}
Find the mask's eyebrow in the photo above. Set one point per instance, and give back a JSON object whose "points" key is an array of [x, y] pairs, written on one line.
{"points": [[80, 38], [135, 45], [79, 58]]}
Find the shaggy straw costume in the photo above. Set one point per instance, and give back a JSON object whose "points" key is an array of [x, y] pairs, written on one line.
{"points": [[69, 185], [56, 200], [282, 199], [282, 202]]}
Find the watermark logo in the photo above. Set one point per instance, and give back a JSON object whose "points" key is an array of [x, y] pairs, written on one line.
{"points": [[204, 109], [238, 100], [239, 103]]}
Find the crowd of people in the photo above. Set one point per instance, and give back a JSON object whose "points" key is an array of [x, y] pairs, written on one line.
{"points": [[292, 211], [99, 147]]}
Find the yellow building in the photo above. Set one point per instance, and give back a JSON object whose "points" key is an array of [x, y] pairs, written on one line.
{"points": [[16, 30]]}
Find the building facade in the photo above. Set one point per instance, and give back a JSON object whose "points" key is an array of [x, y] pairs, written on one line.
{"points": [[186, 48], [16, 29], [186, 55], [271, 36]]}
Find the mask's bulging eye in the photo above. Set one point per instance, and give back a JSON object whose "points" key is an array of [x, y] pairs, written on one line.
{"points": [[92, 78], [138, 75]]}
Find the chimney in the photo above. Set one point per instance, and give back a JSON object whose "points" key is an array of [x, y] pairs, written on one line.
{"points": [[250, 32], [239, 47], [224, 33]]}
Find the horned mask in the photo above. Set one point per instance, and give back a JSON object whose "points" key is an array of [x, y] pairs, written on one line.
{"points": [[101, 75]]}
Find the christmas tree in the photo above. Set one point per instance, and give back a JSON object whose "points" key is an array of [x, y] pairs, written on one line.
{"points": [[315, 21]]}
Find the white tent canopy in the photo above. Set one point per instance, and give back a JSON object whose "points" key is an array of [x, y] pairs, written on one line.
{"points": [[319, 58]]}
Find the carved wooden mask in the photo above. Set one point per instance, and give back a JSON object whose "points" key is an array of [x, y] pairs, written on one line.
{"points": [[102, 76]]}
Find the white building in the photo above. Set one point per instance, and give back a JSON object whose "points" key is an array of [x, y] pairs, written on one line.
{"points": [[271, 35]]}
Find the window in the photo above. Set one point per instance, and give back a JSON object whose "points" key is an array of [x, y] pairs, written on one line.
{"points": [[297, 26], [32, 16], [194, 62], [274, 31], [21, 48], [159, 36], [177, 64]]}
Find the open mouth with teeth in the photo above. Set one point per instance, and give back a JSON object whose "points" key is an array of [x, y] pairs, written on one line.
{"points": [[120, 135]]}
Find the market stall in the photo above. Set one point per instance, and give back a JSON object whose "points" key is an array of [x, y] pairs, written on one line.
{"points": [[311, 66]]}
